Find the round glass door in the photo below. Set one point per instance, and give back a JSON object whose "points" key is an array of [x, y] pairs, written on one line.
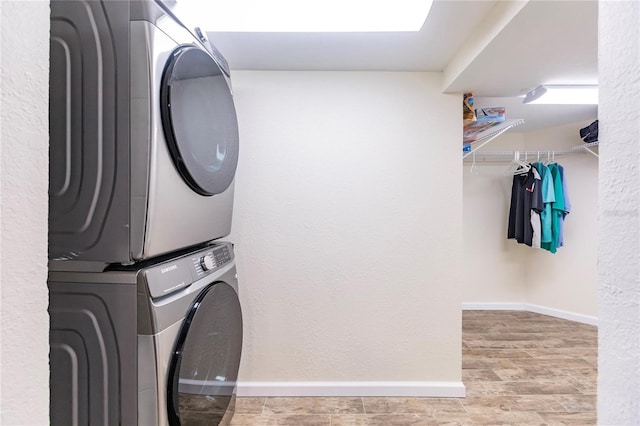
{"points": [[204, 366], [199, 120]]}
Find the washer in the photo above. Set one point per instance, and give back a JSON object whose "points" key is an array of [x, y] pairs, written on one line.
{"points": [[194, 333], [155, 344], [144, 133]]}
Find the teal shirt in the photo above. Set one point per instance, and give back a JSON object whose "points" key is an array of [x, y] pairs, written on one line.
{"points": [[557, 209], [548, 197]]}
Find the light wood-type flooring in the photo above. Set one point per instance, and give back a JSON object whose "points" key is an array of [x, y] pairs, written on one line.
{"points": [[519, 368]]}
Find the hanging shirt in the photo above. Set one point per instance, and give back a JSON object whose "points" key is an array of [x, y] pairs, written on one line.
{"points": [[548, 197], [520, 209], [557, 210], [567, 205], [536, 207]]}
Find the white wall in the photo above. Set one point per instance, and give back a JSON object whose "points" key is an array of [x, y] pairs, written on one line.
{"points": [[347, 228], [492, 264], [24, 96], [619, 218], [570, 275], [502, 271]]}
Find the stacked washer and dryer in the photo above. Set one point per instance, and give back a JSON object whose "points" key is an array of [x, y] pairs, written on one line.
{"points": [[146, 325]]}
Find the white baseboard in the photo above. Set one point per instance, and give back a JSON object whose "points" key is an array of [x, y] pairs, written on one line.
{"points": [[328, 389], [508, 306], [559, 313], [493, 306]]}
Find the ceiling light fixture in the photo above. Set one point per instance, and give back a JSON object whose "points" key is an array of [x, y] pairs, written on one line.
{"points": [[568, 95], [307, 15]]}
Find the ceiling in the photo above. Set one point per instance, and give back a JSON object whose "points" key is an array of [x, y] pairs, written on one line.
{"points": [[445, 30], [496, 49]]}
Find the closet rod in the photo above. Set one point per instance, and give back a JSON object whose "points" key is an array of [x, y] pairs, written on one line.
{"points": [[532, 156]]}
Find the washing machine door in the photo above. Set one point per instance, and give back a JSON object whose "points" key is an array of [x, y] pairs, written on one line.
{"points": [[204, 366], [199, 120]]}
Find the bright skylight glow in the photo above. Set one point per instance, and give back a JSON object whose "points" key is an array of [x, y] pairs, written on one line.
{"points": [[567, 95], [307, 15]]}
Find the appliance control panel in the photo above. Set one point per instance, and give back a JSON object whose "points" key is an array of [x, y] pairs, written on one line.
{"points": [[213, 259], [168, 277]]}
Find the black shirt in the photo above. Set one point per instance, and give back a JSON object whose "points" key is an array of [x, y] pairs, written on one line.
{"points": [[522, 201]]}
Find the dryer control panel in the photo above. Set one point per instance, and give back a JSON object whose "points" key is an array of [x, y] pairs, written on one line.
{"points": [[168, 277]]}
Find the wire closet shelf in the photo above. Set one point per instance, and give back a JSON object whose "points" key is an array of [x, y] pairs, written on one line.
{"points": [[498, 156], [486, 136]]}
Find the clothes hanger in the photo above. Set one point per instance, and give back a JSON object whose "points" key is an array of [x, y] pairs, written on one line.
{"points": [[473, 164], [517, 167]]}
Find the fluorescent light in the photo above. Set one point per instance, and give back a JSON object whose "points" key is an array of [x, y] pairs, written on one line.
{"points": [[307, 15], [576, 95]]}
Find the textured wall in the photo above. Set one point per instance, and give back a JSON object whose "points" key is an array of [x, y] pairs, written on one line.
{"points": [[24, 67], [347, 226], [619, 220]]}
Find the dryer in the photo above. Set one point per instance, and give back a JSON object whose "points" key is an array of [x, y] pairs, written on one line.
{"points": [[156, 343], [144, 133]]}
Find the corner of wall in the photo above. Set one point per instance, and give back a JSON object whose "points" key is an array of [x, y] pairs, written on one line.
{"points": [[619, 213], [24, 94]]}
